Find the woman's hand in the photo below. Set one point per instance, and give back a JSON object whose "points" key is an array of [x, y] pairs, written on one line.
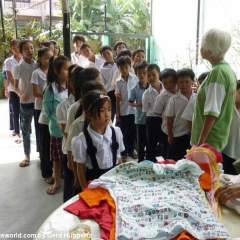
{"points": [[227, 193]]}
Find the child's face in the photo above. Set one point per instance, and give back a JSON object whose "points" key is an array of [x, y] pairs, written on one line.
{"points": [[28, 50], [124, 70], [56, 50], [44, 60], [200, 81], [142, 75], [107, 55], [63, 73], [120, 47], [184, 84], [105, 114], [86, 52], [139, 57], [77, 45], [15, 49], [153, 76], [169, 84], [99, 78], [238, 96]]}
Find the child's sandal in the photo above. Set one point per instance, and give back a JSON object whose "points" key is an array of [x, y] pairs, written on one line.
{"points": [[24, 163]]}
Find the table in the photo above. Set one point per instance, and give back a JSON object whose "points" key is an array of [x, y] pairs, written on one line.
{"points": [[57, 225]]}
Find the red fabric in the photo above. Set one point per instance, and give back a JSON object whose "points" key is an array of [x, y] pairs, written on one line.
{"points": [[101, 214], [167, 161]]}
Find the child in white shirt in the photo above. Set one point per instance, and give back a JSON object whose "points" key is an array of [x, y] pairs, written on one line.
{"points": [[169, 81], [97, 149], [153, 121], [178, 133]]}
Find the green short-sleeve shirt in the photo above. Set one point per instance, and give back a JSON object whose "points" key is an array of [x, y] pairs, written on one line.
{"points": [[216, 97]]}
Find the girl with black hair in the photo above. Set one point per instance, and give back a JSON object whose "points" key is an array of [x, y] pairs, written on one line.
{"points": [[97, 149], [55, 93]]}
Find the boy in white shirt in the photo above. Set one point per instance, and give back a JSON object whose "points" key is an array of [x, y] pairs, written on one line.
{"points": [[189, 110], [107, 71], [95, 61], [77, 57], [124, 112], [153, 121], [177, 130], [169, 81]]}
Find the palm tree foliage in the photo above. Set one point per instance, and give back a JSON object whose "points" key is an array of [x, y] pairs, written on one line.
{"points": [[122, 16]]}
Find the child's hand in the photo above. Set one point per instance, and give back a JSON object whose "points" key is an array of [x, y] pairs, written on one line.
{"points": [[24, 97], [118, 96], [195, 87], [170, 139], [76, 183], [117, 118], [139, 104]]}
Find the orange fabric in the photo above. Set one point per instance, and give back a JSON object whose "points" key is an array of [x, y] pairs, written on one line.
{"points": [[184, 236], [205, 178], [94, 196]]}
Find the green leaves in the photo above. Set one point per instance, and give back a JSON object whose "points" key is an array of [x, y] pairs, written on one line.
{"points": [[122, 16]]}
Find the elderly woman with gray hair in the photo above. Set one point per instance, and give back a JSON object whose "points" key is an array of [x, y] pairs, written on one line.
{"points": [[214, 107]]}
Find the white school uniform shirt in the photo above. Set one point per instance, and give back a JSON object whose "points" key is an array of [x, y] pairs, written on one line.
{"points": [[9, 64], [75, 129], [189, 110], [125, 88], [61, 113], [43, 119], [71, 113], [39, 78], [160, 107], [79, 60], [98, 62], [23, 72], [175, 108], [107, 71], [117, 74], [103, 143], [148, 100], [232, 149]]}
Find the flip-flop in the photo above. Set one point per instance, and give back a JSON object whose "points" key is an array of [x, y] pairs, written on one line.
{"points": [[24, 163], [49, 180], [51, 190], [18, 140]]}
